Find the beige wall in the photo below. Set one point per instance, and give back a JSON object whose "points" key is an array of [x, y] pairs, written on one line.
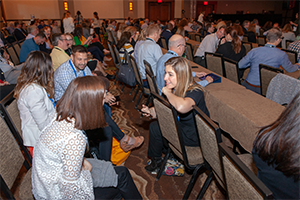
{"points": [[105, 8], [230, 7], [178, 8], [22, 9]]}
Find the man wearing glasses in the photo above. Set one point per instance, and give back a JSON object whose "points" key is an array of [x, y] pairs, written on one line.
{"points": [[267, 55], [176, 48], [58, 54]]}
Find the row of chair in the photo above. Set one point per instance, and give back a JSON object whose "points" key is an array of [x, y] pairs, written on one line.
{"points": [[235, 174], [13, 154], [13, 51]]}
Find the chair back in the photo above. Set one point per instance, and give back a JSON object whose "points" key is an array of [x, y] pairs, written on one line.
{"points": [[164, 42], [14, 113], [136, 71], [117, 54], [169, 126], [254, 45], [245, 38], [266, 73], [248, 46], [241, 182], [209, 136], [292, 55], [261, 32], [151, 82], [110, 36], [113, 55], [288, 42], [214, 62], [193, 36], [189, 52], [231, 68], [17, 48], [198, 37], [13, 54], [261, 40]]}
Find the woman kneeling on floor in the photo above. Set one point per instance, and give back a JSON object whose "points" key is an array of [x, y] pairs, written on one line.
{"points": [[183, 93], [59, 170]]}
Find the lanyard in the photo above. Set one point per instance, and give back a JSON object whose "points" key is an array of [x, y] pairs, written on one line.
{"points": [[172, 52], [52, 100], [150, 39], [74, 69], [270, 45]]}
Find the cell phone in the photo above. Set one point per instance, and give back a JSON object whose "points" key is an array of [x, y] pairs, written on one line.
{"points": [[117, 98], [141, 111]]}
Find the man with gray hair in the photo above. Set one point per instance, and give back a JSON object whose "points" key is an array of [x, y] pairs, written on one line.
{"points": [[268, 55], [58, 54], [176, 48], [32, 31]]}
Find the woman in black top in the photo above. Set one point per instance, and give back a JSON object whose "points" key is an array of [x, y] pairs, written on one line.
{"points": [[276, 153], [232, 48], [251, 33], [183, 93]]}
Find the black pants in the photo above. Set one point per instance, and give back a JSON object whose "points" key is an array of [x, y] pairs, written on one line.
{"points": [[107, 133], [157, 143], [200, 61], [125, 189]]}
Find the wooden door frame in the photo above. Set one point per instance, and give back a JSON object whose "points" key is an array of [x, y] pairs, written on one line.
{"points": [[155, 1]]}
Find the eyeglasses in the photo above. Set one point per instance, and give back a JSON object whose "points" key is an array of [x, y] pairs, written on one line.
{"points": [[181, 45]]}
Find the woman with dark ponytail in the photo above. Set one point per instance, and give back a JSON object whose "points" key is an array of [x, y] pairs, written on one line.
{"points": [[232, 48]]}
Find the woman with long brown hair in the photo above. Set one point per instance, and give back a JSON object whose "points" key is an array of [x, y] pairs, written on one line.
{"points": [[34, 93], [232, 48], [276, 153], [59, 169], [183, 93]]}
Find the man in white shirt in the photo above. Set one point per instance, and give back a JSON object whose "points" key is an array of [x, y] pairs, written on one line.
{"points": [[149, 51], [209, 44], [32, 31], [68, 23], [145, 24]]}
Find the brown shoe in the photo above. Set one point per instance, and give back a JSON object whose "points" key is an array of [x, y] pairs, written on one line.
{"points": [[138, 141]]}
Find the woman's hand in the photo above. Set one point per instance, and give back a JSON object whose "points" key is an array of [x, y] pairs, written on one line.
{"points": [[86, 165], [110, 99], [148, 111]]}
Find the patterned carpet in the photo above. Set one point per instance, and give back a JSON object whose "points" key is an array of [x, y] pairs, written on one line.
{"points": [[167, 187]]}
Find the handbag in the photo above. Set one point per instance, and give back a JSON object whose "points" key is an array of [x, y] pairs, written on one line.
{"points": [[118, 156], [126, 73]]}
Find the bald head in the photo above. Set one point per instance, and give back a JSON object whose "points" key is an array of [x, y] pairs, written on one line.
{"points": [[177, 44]]}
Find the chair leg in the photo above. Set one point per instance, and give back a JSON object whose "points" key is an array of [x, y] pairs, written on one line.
{"points": [[148, 100], [115, 81], [192, 181], [137, 89], [205, 185], [139, 99], [123, 87], [162, 167], [131, 90]]}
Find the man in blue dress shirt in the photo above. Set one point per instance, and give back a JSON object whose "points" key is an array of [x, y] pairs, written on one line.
{"points": [[268, 55], [176, 48], [71, 69]]}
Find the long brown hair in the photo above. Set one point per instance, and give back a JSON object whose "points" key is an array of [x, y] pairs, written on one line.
{"points": [[185, 80], [37, 69], [236, 42], [82, 100], [278, 144]]}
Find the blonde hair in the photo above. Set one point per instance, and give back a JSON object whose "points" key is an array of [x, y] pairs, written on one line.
{"points": [[184, 76]]}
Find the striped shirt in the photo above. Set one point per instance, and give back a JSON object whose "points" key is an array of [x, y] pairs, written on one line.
{"points": [[129, 48]]}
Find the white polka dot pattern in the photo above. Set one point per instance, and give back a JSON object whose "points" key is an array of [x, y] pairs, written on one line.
{"points": [[57, 161]]}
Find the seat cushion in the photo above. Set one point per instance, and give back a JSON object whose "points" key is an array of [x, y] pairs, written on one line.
{"points": [[25, 192]]}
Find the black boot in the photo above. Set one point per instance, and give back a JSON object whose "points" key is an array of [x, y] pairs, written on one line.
{"points": [[154, 164]]}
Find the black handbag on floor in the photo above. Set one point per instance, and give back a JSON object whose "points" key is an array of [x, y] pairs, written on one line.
{"points": [[126, 74]]}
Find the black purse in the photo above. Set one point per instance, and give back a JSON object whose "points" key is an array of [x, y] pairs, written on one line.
{"points": [[126, 74]]}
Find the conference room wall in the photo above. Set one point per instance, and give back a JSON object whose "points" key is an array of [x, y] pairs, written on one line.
{"points": [[22, 9]]}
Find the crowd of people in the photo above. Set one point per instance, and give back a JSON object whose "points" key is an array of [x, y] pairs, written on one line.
{"points": [[62, 71]]}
